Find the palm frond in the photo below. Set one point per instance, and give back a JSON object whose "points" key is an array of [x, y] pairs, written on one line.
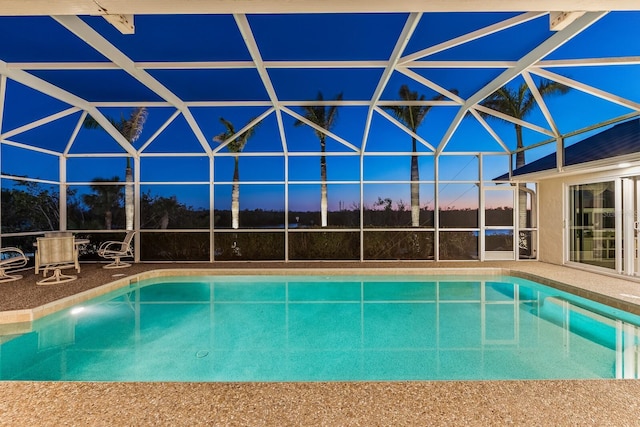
{"points": [[238, 143], [412, 116], [90, 123], [520, 102], [321, 115], [131, 129]]}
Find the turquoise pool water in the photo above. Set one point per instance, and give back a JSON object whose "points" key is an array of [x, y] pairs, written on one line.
{"points": [[271, 328]]}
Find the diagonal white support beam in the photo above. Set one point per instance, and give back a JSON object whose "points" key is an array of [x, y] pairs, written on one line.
{"points": [[256, 56], [404, 128], [3, 93], [407, 31], [47, 88], [512, 119], [40, 122], [428, 83], [81, 29], [489, 129], [254, 51], [320, 129], [474, 35], [543, 105], [535, 55], [76, 130], [586, 89], [159, 131], [31, 148], [248, 126]]}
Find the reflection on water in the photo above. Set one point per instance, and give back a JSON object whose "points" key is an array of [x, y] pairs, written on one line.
{"points": [[328, 328]]}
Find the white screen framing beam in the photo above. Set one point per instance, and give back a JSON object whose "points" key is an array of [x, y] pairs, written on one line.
{"points": [[168, 7], [407, 31], [474, 35], [542, 50], [39, 122], [82, 30], [47, 88], [252, 46]]}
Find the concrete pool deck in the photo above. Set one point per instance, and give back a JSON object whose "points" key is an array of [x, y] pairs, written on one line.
{"points": [[590, 402]]}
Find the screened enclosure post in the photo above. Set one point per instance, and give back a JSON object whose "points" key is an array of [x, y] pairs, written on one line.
{"points": [[3, 89], [511, 165], [436, 208], [136, 207], [212, 217], [482, 218], [62, 205], [286, 206], [361, 206], [618, 226]]}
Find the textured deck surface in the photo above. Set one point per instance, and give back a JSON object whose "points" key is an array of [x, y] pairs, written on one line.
{"points": [[482, 403]]}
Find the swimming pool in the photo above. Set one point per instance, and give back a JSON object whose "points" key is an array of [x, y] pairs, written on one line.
{"points": [[333, 328]]}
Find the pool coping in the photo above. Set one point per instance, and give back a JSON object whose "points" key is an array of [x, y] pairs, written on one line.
{"points": [[20, 321]]}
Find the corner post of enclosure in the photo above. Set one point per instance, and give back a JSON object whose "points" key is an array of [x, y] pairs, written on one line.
{"points": [[62, 206], [136, 206]]}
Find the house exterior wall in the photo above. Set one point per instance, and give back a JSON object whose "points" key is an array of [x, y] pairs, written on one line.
{"points": [[552, 213], [551, 218]]}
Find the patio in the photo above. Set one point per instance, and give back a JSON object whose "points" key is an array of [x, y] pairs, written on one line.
{"points": [[594, 402]]}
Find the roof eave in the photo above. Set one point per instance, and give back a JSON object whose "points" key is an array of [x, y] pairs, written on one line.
{"points": [[588, 167]]}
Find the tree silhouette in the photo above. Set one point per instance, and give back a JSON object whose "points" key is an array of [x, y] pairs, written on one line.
{"points": [[412, 117], [105, 198], [519, 103], [130, 128], [325, 117], [235, 146]]}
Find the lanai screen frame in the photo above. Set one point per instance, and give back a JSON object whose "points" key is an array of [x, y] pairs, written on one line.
{"points": [[529, 64]]}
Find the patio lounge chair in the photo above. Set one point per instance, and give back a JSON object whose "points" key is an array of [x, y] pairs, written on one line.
{"points": [[56, 253], [10, 259], [115, 250]]}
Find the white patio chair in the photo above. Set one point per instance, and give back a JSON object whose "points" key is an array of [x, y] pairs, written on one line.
{"points": [[56, 253], [10, 259], [115, 250]]}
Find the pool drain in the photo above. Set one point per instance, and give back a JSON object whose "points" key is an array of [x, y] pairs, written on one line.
{"points": [[202, 353]]}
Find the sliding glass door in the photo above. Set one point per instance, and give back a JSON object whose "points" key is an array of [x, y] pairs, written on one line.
{"points": [[592, 224]]}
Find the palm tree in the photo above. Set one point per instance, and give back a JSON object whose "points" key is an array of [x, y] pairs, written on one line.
{"points": [[130, 128], [519, 103], [104, 198], [325, 117], [412, 117], [235, 146]]}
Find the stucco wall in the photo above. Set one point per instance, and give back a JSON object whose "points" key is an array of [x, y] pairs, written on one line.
{"points": [[550, 228]]}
